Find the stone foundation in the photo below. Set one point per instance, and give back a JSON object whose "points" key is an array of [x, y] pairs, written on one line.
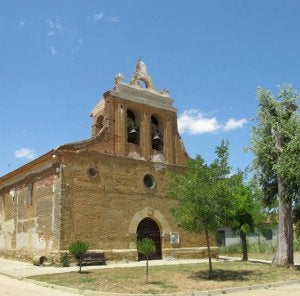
{"points": [[55, 258]]}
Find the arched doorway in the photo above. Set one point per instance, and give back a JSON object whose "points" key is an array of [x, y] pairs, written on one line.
{"points": [[148, 228]]}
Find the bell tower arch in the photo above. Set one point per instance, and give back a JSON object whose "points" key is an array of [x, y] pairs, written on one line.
{"points": [[136, 120]]}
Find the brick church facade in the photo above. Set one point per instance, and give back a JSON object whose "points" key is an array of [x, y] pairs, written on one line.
{"points": [[109, 190]]}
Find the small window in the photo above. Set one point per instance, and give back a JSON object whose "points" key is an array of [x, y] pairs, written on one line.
{"points": [[30, 195], [93, 172], [149, 181]]}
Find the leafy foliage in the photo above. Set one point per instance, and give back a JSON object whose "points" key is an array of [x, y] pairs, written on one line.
{"points": [[78, 248], [147, 247], [277, 117], [203, 194], [276, 146], [245, 212]]}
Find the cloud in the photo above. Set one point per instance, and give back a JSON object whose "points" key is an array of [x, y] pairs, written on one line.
{"points": [[195, 122], [26, 153], [234, 124], [98, 17], [113, 19], [53, 50], [53, 26], [21, 24]]}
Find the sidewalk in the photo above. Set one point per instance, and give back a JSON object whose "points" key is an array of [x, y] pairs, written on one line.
{"points": [[11, 271], [19, 269]]}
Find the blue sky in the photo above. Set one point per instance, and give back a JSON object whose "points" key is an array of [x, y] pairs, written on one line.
{"points": [[58, 57]]}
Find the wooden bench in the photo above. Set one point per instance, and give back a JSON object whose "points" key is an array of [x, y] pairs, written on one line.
{"points": [[93, 259]]}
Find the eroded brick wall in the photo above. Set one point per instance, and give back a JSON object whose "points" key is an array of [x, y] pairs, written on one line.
{"points": [[30, 216], [105, 209]]}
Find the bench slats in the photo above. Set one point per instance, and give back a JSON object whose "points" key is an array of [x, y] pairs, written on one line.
{"points": [[93, 258]]}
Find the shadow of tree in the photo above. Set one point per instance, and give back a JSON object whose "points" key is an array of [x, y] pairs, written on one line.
{"points": [[223, 275], [86, 272]]}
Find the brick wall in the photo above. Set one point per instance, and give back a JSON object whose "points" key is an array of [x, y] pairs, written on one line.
{"points": [[105, 209]]}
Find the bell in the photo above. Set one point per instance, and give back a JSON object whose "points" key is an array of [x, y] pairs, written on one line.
{"points": [[156, 141], [133, 131], [133, 135]]}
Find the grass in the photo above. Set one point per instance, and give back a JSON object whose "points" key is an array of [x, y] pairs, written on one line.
{"points": [[265, 250], [175, 278]]}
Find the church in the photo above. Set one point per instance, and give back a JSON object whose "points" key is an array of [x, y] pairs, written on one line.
{"points": [[110, 190]]}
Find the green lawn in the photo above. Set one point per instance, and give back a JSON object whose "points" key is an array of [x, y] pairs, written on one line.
{"points": [[175, 278]]}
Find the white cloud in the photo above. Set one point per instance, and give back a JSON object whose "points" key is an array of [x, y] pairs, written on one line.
{"points": [[195, 123], [26, 153], [234, 124], [53, 50], [113, 19], [53, 26], [98, 17], [21, 24]]}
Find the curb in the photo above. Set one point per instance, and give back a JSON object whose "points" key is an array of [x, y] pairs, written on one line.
{"points": [[196, 293]]}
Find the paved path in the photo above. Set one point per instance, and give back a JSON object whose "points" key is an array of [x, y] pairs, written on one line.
{"points": [[12, 272], [287, 290], [24, 269], [13, 287]]}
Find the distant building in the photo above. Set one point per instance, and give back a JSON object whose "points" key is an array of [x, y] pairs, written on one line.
{"points": [[109, 190], [226, 237]]}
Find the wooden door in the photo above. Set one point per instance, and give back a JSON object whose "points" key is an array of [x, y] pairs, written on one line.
{"points": [[148, 228]]}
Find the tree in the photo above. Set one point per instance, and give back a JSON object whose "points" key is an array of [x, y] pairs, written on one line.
{"points": [[245, 212], [147, 247], [78, 248], [276, 146], [203, 194]]}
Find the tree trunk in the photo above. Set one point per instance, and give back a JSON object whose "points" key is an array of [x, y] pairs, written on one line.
{"points": [[284, 253], [80, 262], [147, 270], [243, 237], [209, 254]]}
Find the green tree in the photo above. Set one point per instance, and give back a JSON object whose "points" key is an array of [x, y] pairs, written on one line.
{"points": [[203, 194], [245, 212], [146, 247], [78, 248], [276, 146]]}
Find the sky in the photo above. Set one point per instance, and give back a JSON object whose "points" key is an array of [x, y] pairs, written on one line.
{"points": [[58, 57]]}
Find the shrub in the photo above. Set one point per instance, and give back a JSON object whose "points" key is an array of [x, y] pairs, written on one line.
{"points": [[147, 247], [78, 248], [65, 260]]}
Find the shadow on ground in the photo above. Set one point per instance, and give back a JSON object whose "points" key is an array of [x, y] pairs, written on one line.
{"points": [[223, 275]]}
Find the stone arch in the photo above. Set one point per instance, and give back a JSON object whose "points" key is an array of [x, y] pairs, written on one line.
{"points": [[132, 126], [141, 75], [157, 127], [154, 214], [149, 229]]}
